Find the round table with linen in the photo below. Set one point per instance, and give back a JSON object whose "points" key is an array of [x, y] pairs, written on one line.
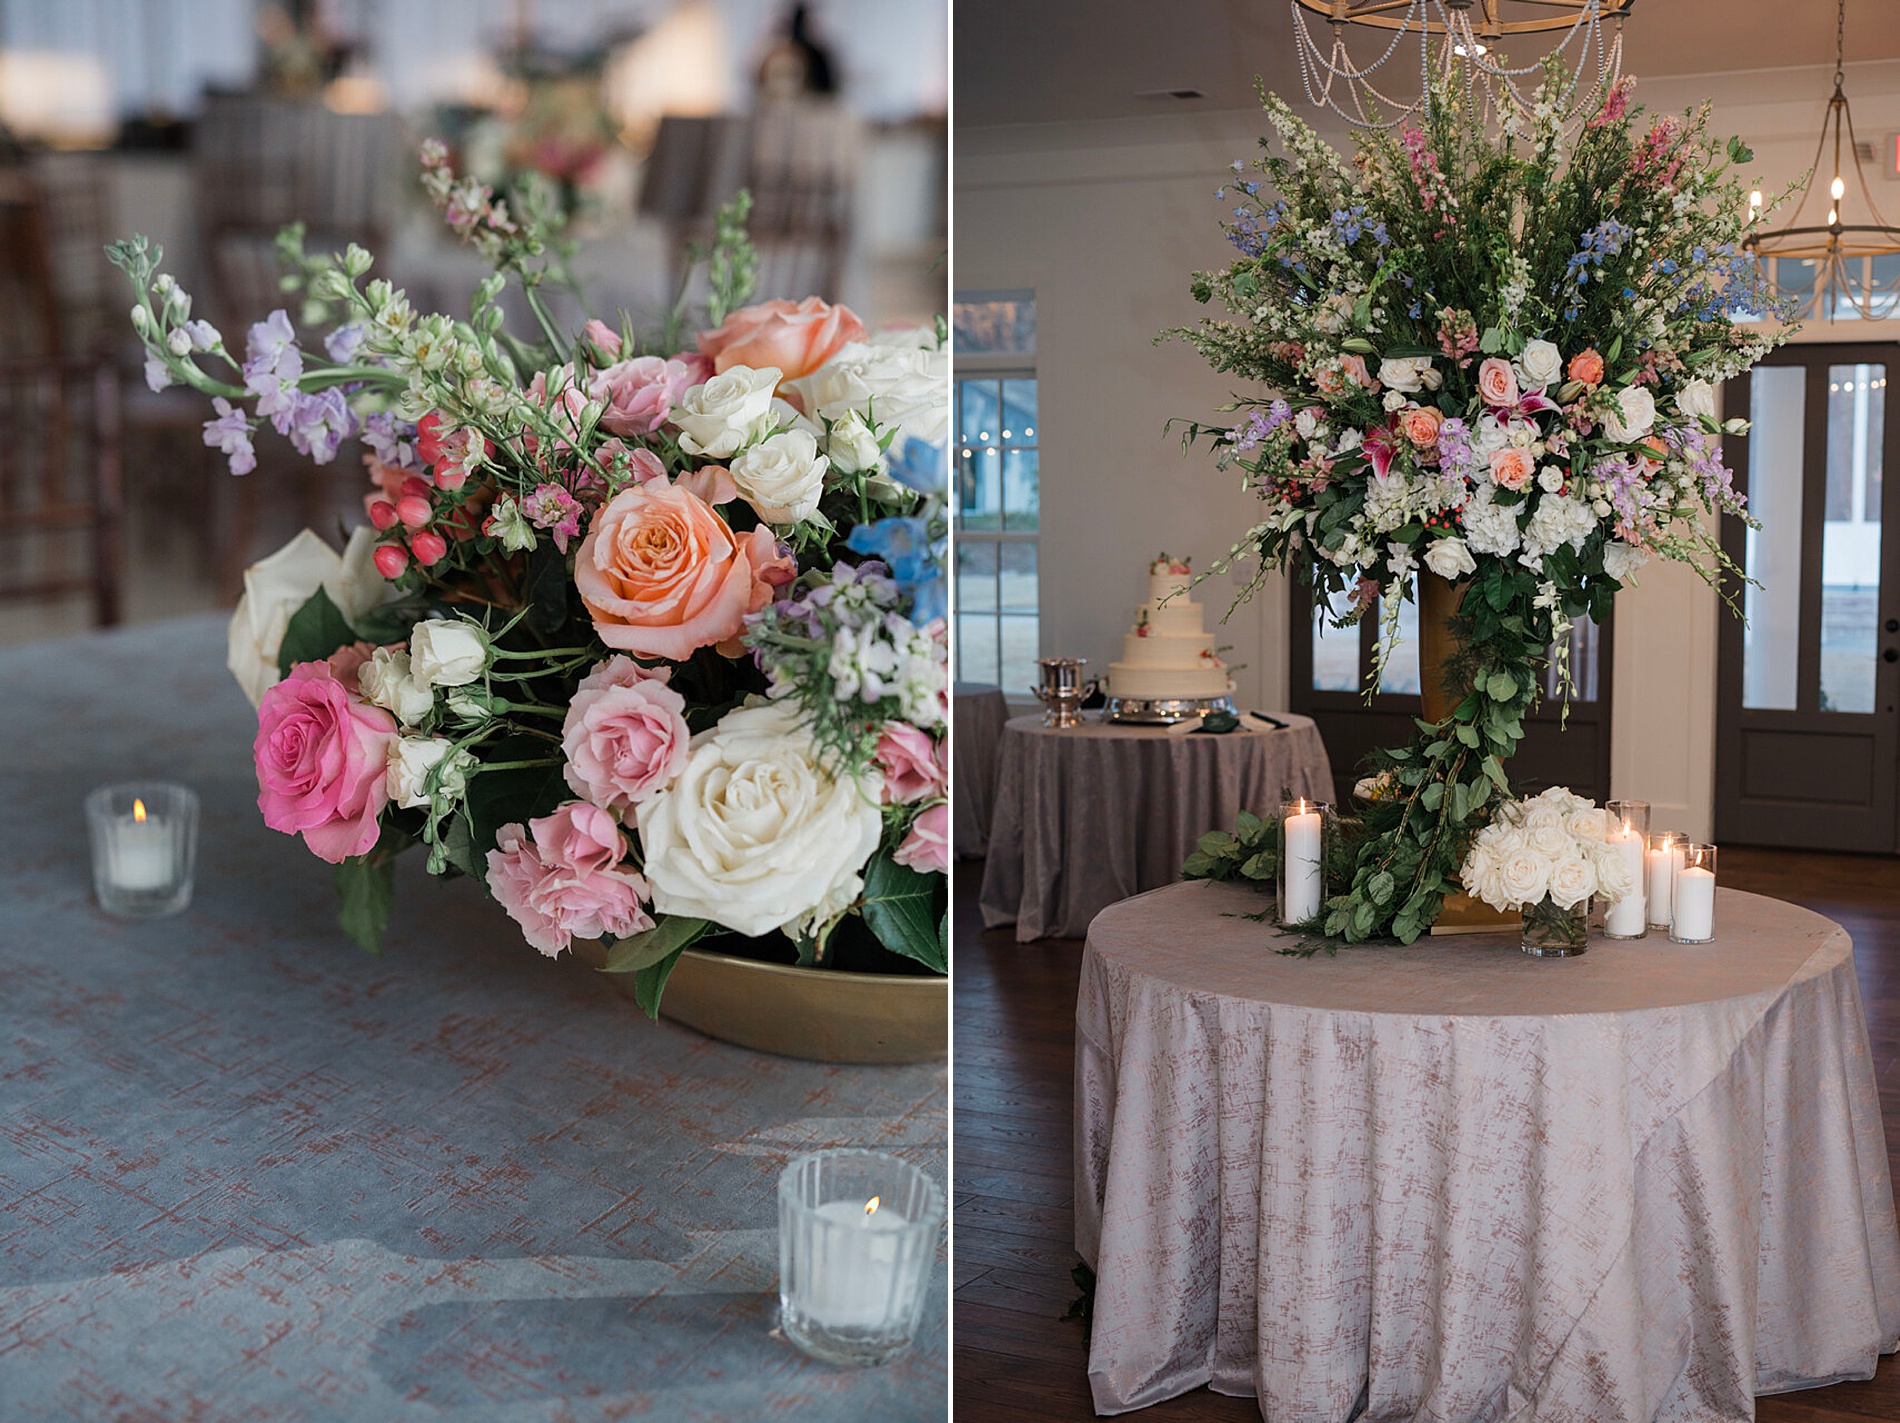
{"points": [[1455, 1182], [1091, 814], [977, 717]]}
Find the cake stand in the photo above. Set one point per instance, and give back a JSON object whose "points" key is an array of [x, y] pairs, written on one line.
{"points": [[1164, 711]]}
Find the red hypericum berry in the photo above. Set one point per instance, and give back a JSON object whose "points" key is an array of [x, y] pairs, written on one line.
{"points": [[429, 548], [414, 511], [390, 561], [451, 476], [413, 487], [383, 514]]}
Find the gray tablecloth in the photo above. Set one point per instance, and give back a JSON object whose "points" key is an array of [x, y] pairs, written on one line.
{"points": [[1091, 814], [247, 1171], [1455, 1182], [978, 713]]}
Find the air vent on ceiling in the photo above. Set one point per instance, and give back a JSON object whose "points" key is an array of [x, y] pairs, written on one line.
{"points": [[1864, 150], [1169, 94]]}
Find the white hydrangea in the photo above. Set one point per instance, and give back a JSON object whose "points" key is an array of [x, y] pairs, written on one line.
{"points": [[1489, 527], [1556, 521]]}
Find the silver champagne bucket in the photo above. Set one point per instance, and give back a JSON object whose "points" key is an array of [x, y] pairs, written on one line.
{"points": [[1063, 691]]}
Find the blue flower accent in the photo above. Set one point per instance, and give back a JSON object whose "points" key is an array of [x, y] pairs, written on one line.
{"points": [[915, 562], [919, 466]]}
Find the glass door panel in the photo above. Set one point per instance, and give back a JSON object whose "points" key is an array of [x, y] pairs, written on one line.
{"points": [[1850, 539], [1772, 602]]}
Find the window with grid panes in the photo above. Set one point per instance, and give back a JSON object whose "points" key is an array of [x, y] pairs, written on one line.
{"points": [[998, 490]]}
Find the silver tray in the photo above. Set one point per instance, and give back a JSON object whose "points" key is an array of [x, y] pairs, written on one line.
{"points": [[1164, 711]]}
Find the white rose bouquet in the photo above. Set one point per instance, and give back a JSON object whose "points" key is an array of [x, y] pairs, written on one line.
{"points": [[1546, 858], [644, 632]]}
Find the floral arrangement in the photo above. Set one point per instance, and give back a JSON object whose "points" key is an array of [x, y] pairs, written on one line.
{"points": [[645, 634], [1552, 848], [1495, 348]]}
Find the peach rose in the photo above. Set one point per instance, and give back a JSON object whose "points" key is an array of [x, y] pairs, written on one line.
{"points": [[1497, 382], [1587, 367], [798, 338], [1356, 372], [1419, 424], [1511, 467], [663, 576]]}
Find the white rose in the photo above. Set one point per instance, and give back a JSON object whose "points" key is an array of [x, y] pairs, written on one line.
{"points": [[902, 386], [1636, 415], [447, 652], [755, 834], [1538, 364], [386, 680], [782, 477], [1616, 877], [1406, 373], [1307, 422], [1620, 560], [1523, 876], [1573, 879], [411, 758], [852, 445], [1697, 400], [1589, 825], [1394, 400], [1550, 479], [1566, 802], [277, 587], [1547, 838], [1449, 558], [727, 413]]}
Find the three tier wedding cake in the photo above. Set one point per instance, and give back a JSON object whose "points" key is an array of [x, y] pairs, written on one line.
{"points": [[1169, 655]]}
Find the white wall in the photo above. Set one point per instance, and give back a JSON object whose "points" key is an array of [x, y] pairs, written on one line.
{"points": [[1105, 222]]}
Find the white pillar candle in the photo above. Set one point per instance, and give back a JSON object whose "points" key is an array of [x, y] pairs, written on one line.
{"points": [[1302, 866], [1692, 908], [854, 1270], [139, 854], [1625, 917], [1664, 861]]}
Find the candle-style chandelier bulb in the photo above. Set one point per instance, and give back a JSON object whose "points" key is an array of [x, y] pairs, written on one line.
{"points": [[1837, 189]]}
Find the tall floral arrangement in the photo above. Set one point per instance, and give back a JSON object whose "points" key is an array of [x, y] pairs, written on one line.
{"points": [[642, 631], [1493, 350]]}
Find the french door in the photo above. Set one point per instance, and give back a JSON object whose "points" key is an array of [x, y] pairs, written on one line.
{"points": [[1806, 689]]}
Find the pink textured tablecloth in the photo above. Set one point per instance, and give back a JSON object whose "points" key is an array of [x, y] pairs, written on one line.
{"points": [[1452, 1182]]}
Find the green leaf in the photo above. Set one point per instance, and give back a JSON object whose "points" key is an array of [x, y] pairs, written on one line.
{"points": [[1380, 887], [650, 982], [368, 889], [900, 907], [458, 839], [315, 631], [1218, 843], [644, 950], [1494, 768], [1201, 866], [1263, 866], [1250, 827], [1740, 152], [1502, 686]]}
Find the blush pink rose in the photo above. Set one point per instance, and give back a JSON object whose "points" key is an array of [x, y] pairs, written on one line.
{"points": [[636, 396], [622, 672], [1419, 424], [912, 762], [1356, 372], [1511, 467], [322, 758], [603, 336], [662, 575], [797, 337], [927, 848], [1497, 382], [624, 743], [698, 367], [562, 879]]}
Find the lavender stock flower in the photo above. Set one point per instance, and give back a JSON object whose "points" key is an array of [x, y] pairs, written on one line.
{"points": [[230, 434]]}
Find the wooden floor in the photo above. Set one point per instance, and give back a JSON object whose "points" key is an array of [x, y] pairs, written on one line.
{"points": [[1018, 1359]]}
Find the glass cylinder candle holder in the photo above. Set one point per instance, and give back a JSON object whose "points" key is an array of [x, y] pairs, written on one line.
{"points": [[144, 847], [857, 1236], [1627, 833], [1692, 897], [1663, 860], [1305, 834]]}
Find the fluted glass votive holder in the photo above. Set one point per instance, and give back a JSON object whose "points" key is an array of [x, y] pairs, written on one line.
{"points": [[1692, 898], [144, 847], [1306, 830], [1663, 860], [857, 1236], [1626, 833]]}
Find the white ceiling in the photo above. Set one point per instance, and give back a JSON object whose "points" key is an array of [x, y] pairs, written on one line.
{"points": [[1039, 61]]}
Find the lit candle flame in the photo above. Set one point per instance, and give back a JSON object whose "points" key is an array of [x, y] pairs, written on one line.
{"points": [[870, 1207], [138, 811]]}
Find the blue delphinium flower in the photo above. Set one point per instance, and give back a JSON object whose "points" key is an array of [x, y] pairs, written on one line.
{"points": [[915, 561]]}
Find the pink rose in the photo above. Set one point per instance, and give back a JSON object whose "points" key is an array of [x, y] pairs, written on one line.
{"points": [[798, 338], [562, 879], [623, 743], [622, 672], [322, 762], [638, 395], [1511, 467], [912, 762], [1497, 382], [1356, 372], [348, 660], [603, 336], [1419, 424], [699, 368], [712, 482], [927, 848], [663, 575]]}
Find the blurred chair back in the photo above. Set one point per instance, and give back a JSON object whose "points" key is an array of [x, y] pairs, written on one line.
{"points": [[61, 498], [29, 300]]}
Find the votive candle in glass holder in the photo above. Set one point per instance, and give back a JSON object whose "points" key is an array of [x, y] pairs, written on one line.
{"points": [[1664, 859], [1627, 833], [144, 847], [857, 1236], [1692, 898], [1305, 830]]}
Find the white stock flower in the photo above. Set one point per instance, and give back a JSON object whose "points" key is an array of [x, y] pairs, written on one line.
{"points": [[1620, 560], [1449, 558], [782, 477], [447, 652], [386, 680], [1635, 415], [852, 445], [411, 758], [1697, 400], [727, 413], [276, 587], [1573, 879], [1538, 364], [902, 386], [755, 834]]}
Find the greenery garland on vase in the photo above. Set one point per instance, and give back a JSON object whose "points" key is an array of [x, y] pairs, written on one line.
{"points": [[1496, 348]]}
